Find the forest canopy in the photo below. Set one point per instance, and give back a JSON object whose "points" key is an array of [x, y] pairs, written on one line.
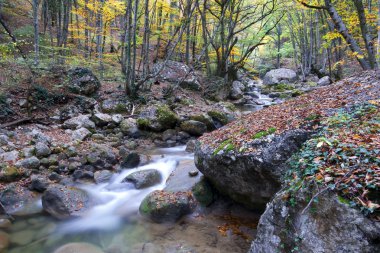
{"points": [[125, 37]]}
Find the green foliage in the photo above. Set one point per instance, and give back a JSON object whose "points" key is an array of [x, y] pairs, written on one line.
{"points": [[226, 146], [262, 134], [143, 123], [166, 117], [342, 157]]}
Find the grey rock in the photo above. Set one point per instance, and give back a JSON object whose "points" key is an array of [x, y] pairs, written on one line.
{"points": [[14, 197], [101, 119], [333, 227], [28, 152], [132, 160], [163, 206], [4, 241], [81, 121], [29, 163], [3, 140], [129, 127], [11, 156], [324, 81], [144, 178], [194, 127], [216, 89], [42, 150], [237, 90], [78, 247], [38, 184], [102, 176], [63, 202], [82, 81], [83, 175], [281, 75], [117, 118], [175, 71], [80, 134], [250, 179], [169, 134], [38, 136], [157, 118], [116, 106], [190, 147]]}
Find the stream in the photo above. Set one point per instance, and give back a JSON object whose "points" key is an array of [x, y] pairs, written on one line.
{"points": [[115, 226]]}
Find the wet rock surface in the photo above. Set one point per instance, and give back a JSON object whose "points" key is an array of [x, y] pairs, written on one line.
{"points": [[334, 226], [250, 179], [63, 201]]}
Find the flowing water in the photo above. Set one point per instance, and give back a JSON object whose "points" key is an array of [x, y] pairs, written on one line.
{"points": [[115, 226]]}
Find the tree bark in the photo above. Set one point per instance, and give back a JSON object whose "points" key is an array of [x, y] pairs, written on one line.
{"points": [[36, 33]]}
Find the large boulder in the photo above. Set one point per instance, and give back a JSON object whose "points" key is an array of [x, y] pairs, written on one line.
{"points": [[63, 201], [251, 179], [216, 89], [278, 76], [174, 72], [82, 81], [329, 225], [157, 118], [144, 178], [164, 206]]}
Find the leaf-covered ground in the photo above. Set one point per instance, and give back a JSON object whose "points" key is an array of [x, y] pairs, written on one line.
{"points": [[300, 112], [344, 157]]}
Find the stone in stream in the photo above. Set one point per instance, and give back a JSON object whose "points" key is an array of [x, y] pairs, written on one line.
{"points": [[165, 206], [144, 178], [23, 237], [79, 247], [4, 241], [102, 176], [5, 223], [14, 196], [63, 201], [237, 90], [39, 184], [132, 160]]}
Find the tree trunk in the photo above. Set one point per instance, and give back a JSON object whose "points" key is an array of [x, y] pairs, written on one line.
{"points": [[146, 40], [365, 32], [36, 33], [342, 29]]}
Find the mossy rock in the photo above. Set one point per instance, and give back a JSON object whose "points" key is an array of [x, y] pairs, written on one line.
{"points": [[143, 124], [166, 117], [10, 173], [163, 206], [218, 116], [205, 119], [203, 193]]}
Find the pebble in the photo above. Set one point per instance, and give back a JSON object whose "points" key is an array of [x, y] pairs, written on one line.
{"points": [[193, 173]]}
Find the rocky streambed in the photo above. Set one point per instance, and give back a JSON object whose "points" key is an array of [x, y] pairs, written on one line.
{"points": [[113, 223]]}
